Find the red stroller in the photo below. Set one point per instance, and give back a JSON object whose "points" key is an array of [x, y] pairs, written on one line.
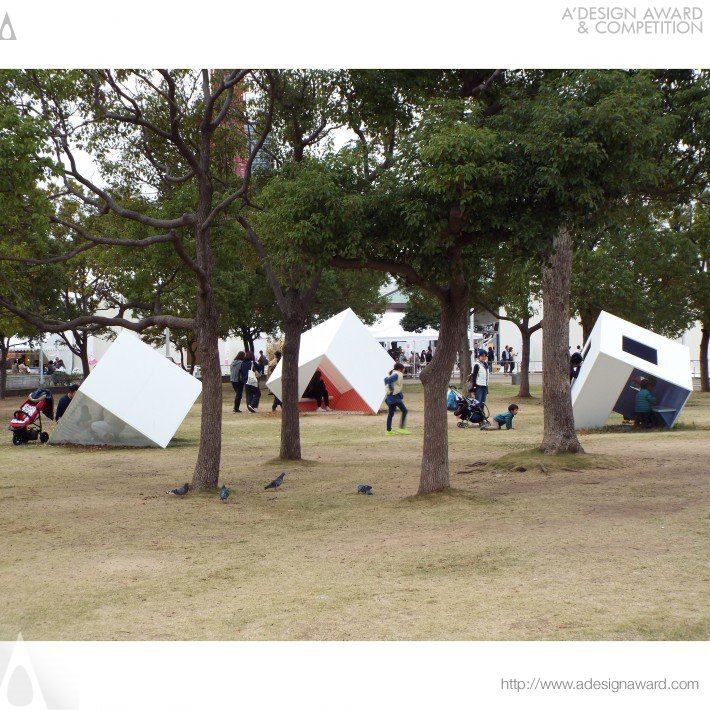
{"points": [[26, 424]]}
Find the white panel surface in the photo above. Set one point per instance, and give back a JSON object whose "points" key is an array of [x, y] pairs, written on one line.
{"points": [[138, 386], [607, 369], [351, 355]]}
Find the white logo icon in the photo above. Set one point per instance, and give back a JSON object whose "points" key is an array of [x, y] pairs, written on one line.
{"points": [[20, 687], [6, 29]]}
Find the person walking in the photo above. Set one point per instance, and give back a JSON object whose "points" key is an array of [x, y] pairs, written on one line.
{"points": [[235, 377], [263, 361], [272, 366], [504, 357], [250, 378], [491, 357], [511, 358], [395, 399], [479, 378]]}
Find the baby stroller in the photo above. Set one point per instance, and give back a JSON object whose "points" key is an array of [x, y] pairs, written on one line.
{"points": [[26, 424], [469, 412]]}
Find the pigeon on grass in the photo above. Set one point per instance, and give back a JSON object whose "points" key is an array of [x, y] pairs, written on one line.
{"points": [[364, 489], [276, 482], [223, 493], [179, 491]]}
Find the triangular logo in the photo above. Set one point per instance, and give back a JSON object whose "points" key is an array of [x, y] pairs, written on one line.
{"points": [[20, 687], [6, 29]]}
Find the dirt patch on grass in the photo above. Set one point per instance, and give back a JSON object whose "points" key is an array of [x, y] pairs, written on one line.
{"points": [[535, 460]]}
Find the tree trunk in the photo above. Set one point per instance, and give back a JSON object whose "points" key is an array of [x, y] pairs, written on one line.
{"points": [[290, 421], [559, 434], [4, 349], [588, 319], [704, 340], [524, 390], [206, 473], [247, 339], [81, 342], [435, 380], [464, 354]]}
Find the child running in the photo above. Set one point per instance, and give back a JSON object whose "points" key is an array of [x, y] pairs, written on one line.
{"points": [[507, 417], [395, 398]]}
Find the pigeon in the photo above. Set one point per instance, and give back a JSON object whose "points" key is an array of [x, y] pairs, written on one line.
{"points": [[364, 489], [179, 491], [223, 493], [276, 482]]}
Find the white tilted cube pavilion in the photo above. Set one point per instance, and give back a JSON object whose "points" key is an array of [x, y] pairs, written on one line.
{"points": [[133, 397], [617, 355], [353, 364]]}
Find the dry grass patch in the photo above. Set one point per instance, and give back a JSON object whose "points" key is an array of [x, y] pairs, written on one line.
{"points": [[94, 549]]}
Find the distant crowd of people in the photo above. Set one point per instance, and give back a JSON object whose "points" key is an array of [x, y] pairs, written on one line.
{"points": [[19, 367], [413, 362]]}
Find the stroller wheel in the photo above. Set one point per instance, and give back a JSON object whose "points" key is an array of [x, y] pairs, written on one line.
{"points": [[460, 424], [44, 437], [16, 440]]}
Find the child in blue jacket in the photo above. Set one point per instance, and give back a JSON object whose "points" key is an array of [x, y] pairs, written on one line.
{"points": [[507, 417]]}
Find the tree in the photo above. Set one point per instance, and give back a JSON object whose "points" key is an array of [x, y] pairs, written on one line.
{"points": [[425, 214], [685, 244], [162, 127], [514, 286], [627, 269], [587, 141], [299, 198], [301, 205]]}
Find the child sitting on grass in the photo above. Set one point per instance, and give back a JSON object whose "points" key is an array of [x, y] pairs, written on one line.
{"points": [[507, 417]]}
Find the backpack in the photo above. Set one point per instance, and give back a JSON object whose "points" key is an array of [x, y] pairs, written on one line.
{"points": [[451, 401]]}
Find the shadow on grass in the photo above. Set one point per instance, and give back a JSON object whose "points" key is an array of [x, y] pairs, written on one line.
{"points": [[631, 429], [450, 494], [281, 463]]}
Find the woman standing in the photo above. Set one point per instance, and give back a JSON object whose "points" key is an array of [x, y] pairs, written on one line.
{"points": [[395, 399], [250, 372]]}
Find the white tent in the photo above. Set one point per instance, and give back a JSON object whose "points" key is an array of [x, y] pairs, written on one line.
{"points": [[352, 363], [616, 356], [389, 328], [133, 397]]}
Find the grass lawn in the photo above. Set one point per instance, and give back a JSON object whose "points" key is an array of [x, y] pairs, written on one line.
{"points": [[608, 547]]}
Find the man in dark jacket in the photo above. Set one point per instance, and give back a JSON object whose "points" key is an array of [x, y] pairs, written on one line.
{"points": [[64, 402], [575, 362], [235, 377]]}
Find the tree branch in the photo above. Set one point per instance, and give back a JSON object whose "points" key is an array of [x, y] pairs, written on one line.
{"points": [[408, 273]]}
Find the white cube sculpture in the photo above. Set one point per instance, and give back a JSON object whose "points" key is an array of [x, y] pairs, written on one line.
{"points": [[616, 356], [352, 362], [133, 397]]}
